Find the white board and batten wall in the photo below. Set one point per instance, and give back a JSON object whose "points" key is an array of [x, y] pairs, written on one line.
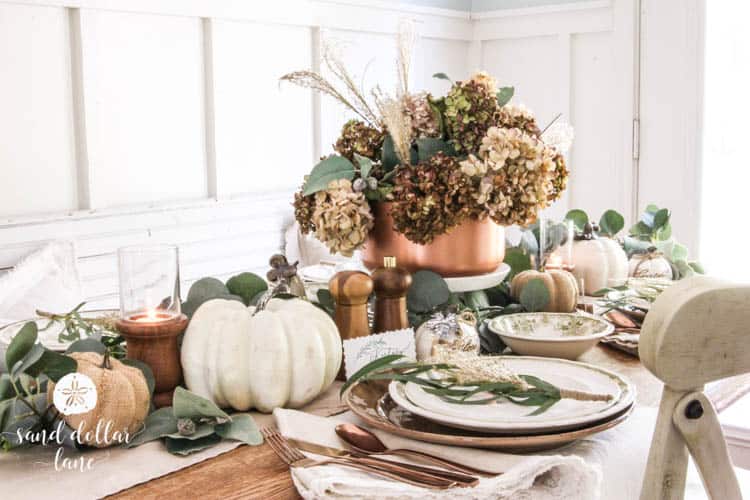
{"points": [[128, 122]]}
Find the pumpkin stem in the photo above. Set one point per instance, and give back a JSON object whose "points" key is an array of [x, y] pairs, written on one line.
{"points": [[106, 362]]}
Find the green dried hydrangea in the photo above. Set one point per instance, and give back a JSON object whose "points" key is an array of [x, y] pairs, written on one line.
{"points": [[470, 110], [430, 198], [358, 137]]}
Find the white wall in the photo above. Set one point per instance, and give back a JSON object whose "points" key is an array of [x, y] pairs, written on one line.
{"points": [[132, 121]]}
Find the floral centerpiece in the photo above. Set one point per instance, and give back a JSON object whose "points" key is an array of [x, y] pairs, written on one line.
{"points": [[415, 172]]}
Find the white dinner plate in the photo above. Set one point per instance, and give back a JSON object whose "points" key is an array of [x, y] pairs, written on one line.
{"points": [[47, 336], [510, 418]]}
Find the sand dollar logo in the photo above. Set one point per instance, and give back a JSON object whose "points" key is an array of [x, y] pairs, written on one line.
{"points": [[74, 394]]}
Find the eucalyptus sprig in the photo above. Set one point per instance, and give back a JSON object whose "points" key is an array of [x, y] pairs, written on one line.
{"points": [[77, 327], [446, 381]]}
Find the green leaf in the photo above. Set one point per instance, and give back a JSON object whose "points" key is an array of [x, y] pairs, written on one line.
{"points": [[651, 209], [148, 374], [611, 223], [185, 404], [517, 260], [206, 288], [160, 423], [330, 169], [31, 357], [579, 218], [5, 406], [247, 286], [679, 252], [389, 158], [641, 231], [683, 269], [504, 95], [475, 300], [86, 345], [663, 233], [365, 165], [6, 389], [695, 266], [442, 76], [534, 296], [241, 428], [21, 344], [428, 291], [201, 430], [186, 447], [427, 147], [661, 218], [370, 367], [54, 365]]}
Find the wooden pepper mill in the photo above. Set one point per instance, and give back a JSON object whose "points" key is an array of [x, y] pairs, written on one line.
{"points": [[350, 291], [391, 284]]}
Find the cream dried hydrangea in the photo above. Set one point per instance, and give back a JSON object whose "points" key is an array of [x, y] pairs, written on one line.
{"points": [[518, 116], [513, 175], [424, 121], [342, 217], [483, 78]]}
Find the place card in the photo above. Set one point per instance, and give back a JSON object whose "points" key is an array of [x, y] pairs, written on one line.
{"points": [[361, 350]]}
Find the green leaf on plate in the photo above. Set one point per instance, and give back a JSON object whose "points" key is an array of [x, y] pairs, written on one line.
{"points": [[160, 423], [241, 428], [330, 169], [534, 296], [185, 404], [186, 447], [428, 291], [21, 344], [370, 367], [504, 95]]}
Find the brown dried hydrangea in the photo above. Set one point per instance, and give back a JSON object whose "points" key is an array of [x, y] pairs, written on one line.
{"points": [[470, 110], [424, 122], [358, 137], [430, 198], [342, 217], [518, 116], [560, 179], [513, 176], [303, 211]]}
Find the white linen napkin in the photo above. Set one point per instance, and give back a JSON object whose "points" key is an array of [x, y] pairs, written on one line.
{"points": [[542, 476]]}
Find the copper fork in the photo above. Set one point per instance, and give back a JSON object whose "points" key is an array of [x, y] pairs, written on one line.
{"points": [[294, 458]]}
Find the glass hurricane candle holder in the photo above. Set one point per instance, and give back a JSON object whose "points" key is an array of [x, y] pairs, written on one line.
{"points": [[150, 315]]}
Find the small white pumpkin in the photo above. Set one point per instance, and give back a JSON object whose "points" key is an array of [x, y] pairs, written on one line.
{"points": [[282, 356], [598, 261], [453, 332], [650, 265]]}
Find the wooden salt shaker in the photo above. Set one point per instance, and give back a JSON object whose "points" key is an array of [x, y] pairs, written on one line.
{"points": [[350, 291], [391, 284]]}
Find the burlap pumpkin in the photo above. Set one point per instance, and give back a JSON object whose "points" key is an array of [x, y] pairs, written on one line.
{"points": [[122, 397], [561, 285]]}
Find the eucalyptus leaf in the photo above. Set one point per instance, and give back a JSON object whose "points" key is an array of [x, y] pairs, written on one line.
{"points": [[534, 296], [518, 262], [661, 218], [579, 218], [611, 223], [206, 288], [21, 344], [696, 267], [370, 367], [504, 95], [241, 428], [31, 357], [186, 447], [5, 406], [247, 286], [679, 252], [365, 165], [529, 242], [330, 169], [86, 345], [641, 231], [427, 147], [490, 342], [651, 208], [476, 299], [54, 365], [442, 76], [190, 306], [389, 158], [428, 291], [186, 404], [158, 424], [6, 389], [201, 430], [663, 233], [148, 374]]}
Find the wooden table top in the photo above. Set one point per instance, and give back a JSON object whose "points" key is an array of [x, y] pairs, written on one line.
{"points": [[255, 472]]}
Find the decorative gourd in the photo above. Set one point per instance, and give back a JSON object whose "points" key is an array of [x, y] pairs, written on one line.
{"points": [[561, 285], [450, 331], [597, 260], [123, 398], [652, 264], [283, 355]]}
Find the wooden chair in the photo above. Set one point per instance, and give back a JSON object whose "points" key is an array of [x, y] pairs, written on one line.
{"points": [[695, 333]]}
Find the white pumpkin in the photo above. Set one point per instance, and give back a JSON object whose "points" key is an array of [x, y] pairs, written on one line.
{"points": [[599, 262], [282, 356], [650, 265]]}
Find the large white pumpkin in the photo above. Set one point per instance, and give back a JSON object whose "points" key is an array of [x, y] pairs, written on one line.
{"points": [[282, 356], [599, 262]]}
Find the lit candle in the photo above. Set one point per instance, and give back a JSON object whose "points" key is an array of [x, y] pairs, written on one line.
{"points": [[151, 316]]}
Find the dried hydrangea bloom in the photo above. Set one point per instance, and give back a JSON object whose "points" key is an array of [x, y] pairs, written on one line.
{"points": [[342, 217], [470, 110], [430, 198], [518, 116], [303, 211], [358, 137], [513, 176], [560, 136], [483, 78], [560, 179], [424, 121]]}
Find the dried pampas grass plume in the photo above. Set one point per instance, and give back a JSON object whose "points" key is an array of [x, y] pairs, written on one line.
{"points": [[398, 124], [405, 40]]}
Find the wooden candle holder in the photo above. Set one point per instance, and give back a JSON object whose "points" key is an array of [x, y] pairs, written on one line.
{"points": [[155, 343]]}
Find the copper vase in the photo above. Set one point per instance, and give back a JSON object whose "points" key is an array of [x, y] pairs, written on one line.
{"points": [[469, 249]]}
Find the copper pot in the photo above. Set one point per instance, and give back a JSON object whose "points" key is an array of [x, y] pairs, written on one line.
{"points": [[469, 249]]}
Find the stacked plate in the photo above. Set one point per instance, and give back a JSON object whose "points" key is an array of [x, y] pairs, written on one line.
{"points": [[408, 410]]}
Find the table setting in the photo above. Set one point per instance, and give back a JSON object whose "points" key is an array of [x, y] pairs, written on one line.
{"points": [[433, 357]]}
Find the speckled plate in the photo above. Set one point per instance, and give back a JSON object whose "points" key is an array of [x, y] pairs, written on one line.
{"points": [[371, 402]]}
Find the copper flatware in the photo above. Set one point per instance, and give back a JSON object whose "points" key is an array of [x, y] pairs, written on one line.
{"points": [[294, 458], [461, 478], [366, 442]]}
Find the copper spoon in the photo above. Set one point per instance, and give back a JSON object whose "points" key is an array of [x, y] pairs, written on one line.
{"points": [[364, 441]]}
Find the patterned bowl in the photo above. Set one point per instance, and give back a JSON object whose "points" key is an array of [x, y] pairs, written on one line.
{"points": [[554, 335]]}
